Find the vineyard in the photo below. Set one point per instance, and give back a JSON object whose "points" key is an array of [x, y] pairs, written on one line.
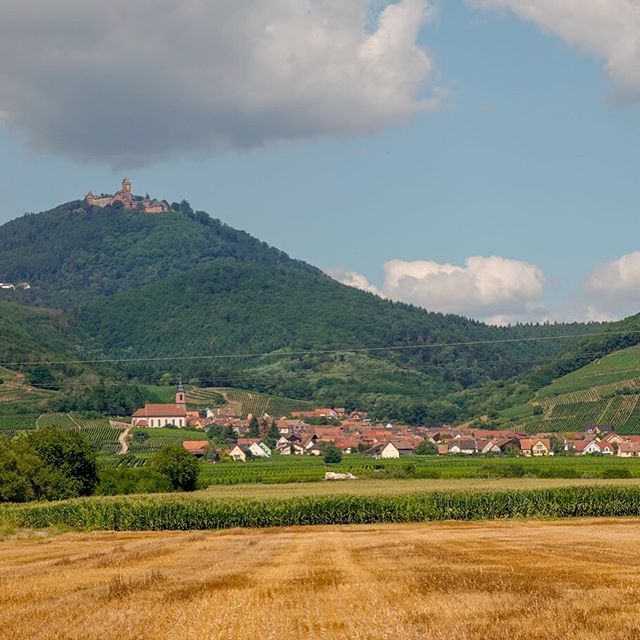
{"points": [[605, 392], [257, 404], [564, 416], [130, 460]]}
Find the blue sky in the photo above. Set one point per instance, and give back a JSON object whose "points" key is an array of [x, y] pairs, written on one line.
{"points": [[530, 157]]}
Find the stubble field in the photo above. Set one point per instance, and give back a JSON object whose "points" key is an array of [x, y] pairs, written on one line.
{"points": [[498, 580]]}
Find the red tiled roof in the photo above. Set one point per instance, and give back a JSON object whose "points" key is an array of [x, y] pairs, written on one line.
{"points": [[195, 445], [161, 411]]}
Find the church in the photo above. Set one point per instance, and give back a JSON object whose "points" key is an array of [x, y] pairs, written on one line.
{"points": [[161, 415], [128, 200]]}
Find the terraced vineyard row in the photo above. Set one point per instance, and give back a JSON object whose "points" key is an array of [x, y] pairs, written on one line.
{"points": [[589, 395], [632, 425], [575, 397], [258, 404]]}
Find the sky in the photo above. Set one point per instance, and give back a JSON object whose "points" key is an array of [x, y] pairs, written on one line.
{"points": [[476, 157]]}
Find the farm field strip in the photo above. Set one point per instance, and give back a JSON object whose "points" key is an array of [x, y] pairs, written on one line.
{"points": [[161, 512]]}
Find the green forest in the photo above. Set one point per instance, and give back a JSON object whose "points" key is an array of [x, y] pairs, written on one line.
{"points": [[182, 295]]}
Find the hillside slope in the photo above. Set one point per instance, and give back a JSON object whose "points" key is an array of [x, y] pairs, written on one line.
{"points": [[183, 285], [604, 392]]}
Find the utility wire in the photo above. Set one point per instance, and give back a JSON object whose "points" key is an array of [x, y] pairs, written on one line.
{"points": [[280, 354]]}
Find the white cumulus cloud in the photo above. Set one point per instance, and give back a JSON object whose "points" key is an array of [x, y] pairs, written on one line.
{"points": [[618, 280], [136, 81], [607, 29], [498, 290]]}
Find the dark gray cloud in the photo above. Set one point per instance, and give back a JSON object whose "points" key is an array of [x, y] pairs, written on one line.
{"points": [[131, 82]]}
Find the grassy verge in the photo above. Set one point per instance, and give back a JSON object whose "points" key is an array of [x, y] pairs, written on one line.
{"points": [[170, 512]]}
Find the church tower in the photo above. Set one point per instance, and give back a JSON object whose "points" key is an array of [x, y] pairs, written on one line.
{"points": [[180, 396]]}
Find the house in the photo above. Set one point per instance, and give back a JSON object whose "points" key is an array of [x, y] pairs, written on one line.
{"points": [[607, 448], [197, 448], [237, 454], [464, 446], [347, 445], [288, 446], [508, 444], [535, 447], [629, 449], [487, 447], [598, 429], [404, 447], [383, 450], [161, 415], [613, 438], [257, 448], [589, 446], [313, 450]]}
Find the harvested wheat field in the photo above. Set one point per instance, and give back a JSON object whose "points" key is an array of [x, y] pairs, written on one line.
{"points": [[514, 579]]}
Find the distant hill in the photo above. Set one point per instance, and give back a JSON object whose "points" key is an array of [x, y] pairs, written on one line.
{"points": [[131, 285]]}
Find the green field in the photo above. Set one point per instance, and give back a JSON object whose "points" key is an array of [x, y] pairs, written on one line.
{"points": [[286, 469], [189, 512]]}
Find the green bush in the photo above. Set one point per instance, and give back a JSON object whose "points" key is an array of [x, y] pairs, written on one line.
{"points": [[331, 454], [124, 480]]}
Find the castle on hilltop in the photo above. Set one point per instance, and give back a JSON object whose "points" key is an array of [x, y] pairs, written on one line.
{"points": [[128, 200]]}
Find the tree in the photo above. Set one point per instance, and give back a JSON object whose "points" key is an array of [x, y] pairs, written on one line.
{"points": [[23, 477], [331, 454], [426, 448], [254, 428], [68, 453], [557, 445], [273, 435], [178, 465]]}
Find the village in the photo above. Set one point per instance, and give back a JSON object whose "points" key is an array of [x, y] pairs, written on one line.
{"points": [[307, 432]]}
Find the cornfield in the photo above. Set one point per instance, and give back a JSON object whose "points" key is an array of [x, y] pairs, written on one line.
{"points": [[189, 513]]}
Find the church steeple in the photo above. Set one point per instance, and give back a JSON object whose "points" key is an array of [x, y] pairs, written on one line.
{"points": [[180, 395]]}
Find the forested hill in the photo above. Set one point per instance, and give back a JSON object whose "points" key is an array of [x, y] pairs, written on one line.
{"points": [[183, 284]]}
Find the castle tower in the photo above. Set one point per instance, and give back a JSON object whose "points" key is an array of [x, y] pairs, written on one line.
{"points": [[180, 396], [126, 185]]}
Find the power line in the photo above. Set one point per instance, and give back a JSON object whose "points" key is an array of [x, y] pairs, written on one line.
{"points": [[236, 381], [280, 354]]}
